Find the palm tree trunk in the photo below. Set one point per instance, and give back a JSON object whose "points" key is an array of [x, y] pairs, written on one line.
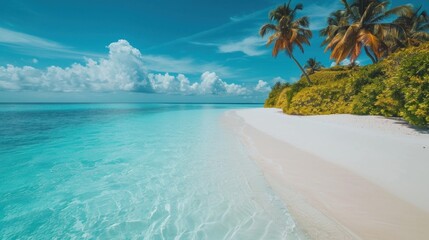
{"points": [[370, 55], [302, 69]]}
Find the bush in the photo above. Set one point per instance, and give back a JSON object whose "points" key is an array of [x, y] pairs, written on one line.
{"points": [[414, 77], [322, 99], [396, 86], [363, 103], [271, 101]]}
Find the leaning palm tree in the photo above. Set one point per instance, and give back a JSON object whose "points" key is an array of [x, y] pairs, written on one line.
{"points": [[415, 26], [287, 31], [366, 28], [312, 66]]}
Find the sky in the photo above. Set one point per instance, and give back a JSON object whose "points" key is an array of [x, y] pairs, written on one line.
{"points": [[147, 51]]}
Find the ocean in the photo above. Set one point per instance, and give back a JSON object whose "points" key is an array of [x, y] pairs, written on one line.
{"points": [[131, 171]]}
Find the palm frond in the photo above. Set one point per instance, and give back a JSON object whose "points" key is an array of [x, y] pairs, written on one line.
{"points": [[299, 44], [345, 45], [299, 6], [367, 13], [273, 37], [421, 35], [347, 6], [372, 41], [303, 21], [277, 47], [269, 27], [405, 10]]}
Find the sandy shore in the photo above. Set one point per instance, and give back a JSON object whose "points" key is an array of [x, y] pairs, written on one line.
{"points": [[343, 176]]}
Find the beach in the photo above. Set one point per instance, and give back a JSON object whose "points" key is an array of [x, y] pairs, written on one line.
{"points": [[342, 176]]}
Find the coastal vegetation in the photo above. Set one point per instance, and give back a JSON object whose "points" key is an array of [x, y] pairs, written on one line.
{"points": [[396, 84], [312, 65]]}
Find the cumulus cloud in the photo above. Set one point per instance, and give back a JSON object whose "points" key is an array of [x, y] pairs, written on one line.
{"points": [[278, 79], [124, 69], [262, 86], [166, 83], [210, 84]]}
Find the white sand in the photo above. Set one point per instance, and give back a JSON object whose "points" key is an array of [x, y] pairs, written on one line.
{"points": [[343, 176]]}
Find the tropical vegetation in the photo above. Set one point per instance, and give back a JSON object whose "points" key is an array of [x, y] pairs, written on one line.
{"points": [[312, 66], [287, 31], [395, 85], [415, 28]]}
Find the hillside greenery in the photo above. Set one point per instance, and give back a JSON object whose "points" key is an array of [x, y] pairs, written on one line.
{"points": [[397, 86]]}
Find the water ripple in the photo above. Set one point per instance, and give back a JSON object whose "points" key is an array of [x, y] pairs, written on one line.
{"points": [[131, 172]]}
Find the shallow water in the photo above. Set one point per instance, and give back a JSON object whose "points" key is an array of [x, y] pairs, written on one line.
{"points": [[130, 171]]}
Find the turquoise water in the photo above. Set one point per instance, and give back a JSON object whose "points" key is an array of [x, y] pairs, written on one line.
{"points": [[130, 171]]}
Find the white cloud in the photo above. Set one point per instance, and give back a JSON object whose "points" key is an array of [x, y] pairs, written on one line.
{"points": [[254, 16], [26, 44], [166, 83], [345, 62], [278, 79], [123, 69], [262, 86], [318, 14], [249, 46], [16, 38], [210, 84], [282, 80]]}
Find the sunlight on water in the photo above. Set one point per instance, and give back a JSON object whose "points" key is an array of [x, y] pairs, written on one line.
{"points": [[126, 171]]}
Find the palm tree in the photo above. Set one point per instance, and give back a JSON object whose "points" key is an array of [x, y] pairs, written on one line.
{"points": [[312, 66], [365, 28], [336, 22], [288, 31], [415, 26]]}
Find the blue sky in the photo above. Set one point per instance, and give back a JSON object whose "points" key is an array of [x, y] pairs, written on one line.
{"points": [[185, 51]]}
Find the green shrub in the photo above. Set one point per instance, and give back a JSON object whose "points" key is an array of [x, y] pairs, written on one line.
{"points": [[396, 86], [414, 76], [363, 103], [271, 101]]}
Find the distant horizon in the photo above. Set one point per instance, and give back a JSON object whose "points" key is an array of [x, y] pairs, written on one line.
{"points": [[220, 103]]}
